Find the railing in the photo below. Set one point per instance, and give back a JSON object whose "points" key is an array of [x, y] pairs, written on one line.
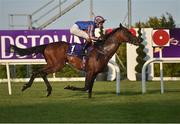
{"points": [[26, 23], [35, 62], [118, 74], [40, 19], [62, 12], [164, 60], [8, 80]]}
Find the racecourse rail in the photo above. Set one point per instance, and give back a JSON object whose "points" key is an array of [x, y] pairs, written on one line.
{"points": [[27, 62], [163, 60]]}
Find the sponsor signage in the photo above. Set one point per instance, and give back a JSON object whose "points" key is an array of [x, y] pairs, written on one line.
{"points": [[155, 40], [173, 49], [31, 38], [160, 38]]}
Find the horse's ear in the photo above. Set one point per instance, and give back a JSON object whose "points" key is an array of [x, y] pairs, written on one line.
{"points": [[120, 25]]}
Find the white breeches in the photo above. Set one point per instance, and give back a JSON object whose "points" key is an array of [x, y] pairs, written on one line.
{"points": [[76, 31]]}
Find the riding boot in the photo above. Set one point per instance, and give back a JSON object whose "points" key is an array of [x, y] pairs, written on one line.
{"points": [[84, 48]]}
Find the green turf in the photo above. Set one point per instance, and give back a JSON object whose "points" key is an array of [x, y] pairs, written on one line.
{"points": [[74, 106]]}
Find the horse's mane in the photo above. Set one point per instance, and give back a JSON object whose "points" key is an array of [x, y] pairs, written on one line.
{"points": [[106, 36], [111, 33]]}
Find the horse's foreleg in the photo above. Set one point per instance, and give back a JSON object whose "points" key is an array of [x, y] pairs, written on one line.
{"points": [[33, 76], [90, 77]]}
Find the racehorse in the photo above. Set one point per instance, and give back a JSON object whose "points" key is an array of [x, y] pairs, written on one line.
{"points": [[56, 57]]}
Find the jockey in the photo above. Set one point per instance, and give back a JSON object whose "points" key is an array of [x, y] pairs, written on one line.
{"points": [[85, 29]]}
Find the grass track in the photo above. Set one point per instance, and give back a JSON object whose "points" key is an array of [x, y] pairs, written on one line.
{"points": [[105, 106]]}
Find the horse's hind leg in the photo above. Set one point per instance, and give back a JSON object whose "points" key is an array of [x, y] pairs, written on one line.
{"points": [[44, 76], [75, 88], [48, 70], [33, 76]]}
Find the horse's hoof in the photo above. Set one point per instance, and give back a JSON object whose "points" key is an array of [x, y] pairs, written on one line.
{"points": [[48, 94], [24, 88], [73, 88], [49, 90], [89, 96], [67, 87]]}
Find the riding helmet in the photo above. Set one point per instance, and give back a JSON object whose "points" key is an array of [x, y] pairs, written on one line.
{"points": [[99, 19]]}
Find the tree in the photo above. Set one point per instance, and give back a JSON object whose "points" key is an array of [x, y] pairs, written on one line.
{"points": [[140, 55], [165, 21]]}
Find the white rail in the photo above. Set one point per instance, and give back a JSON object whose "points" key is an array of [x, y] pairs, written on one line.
{"points": [[163, 60], [28, 62], [117, 76], [24, 62]]}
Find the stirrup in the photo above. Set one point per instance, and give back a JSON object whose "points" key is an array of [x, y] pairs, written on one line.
{"points": [[83, 53]]}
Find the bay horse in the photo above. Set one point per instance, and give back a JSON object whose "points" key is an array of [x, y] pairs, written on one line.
{"points": [[56, 57]]}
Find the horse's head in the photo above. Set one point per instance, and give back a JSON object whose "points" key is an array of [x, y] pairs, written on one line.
{"points": [[127, 36]]}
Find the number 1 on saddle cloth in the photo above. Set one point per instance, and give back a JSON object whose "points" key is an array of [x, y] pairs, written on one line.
{"points": [[76, 49]]}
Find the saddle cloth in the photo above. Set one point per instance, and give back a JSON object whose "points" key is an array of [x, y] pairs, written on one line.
{"points": [[75, 49]]}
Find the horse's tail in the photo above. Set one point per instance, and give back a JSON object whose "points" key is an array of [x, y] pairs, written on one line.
{"points": [[29, 51]]}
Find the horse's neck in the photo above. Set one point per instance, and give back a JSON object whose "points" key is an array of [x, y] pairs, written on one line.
{"points": [[110, 47]]}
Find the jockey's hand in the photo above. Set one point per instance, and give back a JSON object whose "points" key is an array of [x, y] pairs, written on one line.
{"points": [[95, 38], [100, 38], [89, 40]]}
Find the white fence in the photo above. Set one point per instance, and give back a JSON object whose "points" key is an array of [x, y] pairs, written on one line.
{"points": [[111, 64], [163, 60]]}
